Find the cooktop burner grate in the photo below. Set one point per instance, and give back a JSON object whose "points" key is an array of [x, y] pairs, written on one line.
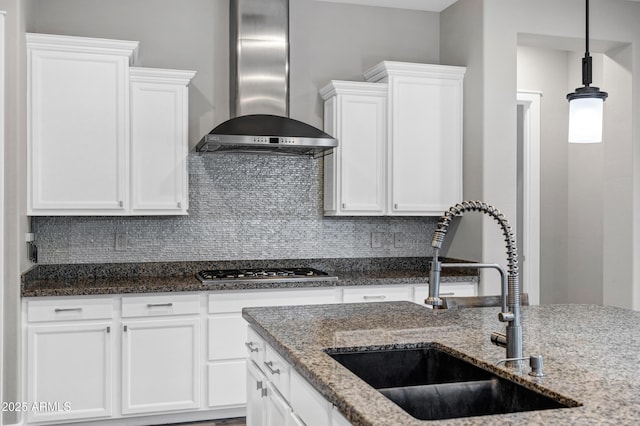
{"points": [[214, 276]]}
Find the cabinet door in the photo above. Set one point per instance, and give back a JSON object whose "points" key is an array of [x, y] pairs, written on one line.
{"points": [[78, 127], [69, 371], [159, 117], [277, 411], [227, 380], [355, 176], [160, 365], [425, 145], [256, 393]]}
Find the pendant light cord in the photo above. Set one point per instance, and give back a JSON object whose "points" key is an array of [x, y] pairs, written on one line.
{"points": [[587, 28], [586, 61]]}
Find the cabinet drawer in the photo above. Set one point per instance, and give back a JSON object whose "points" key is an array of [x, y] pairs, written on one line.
{"points": [[277, 371], [234, 301], [69, 309], [149, 306], [255, 346], [458, 289], [377, 294]]}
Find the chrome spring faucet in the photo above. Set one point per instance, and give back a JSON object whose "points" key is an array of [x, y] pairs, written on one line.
{"points": [[512, 339]]}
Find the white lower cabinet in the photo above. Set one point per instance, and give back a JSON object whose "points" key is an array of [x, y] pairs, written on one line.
{"points": [[228, 336], [160, 353], [278, 396], [69, 370], [256, 394], [160, 365], [175, 355], [377, 293], [69, 359], [457, 289]]}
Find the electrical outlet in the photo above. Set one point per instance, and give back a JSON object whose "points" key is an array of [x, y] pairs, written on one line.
{"points": [[399, 240], [121, 241], [376, 239]]}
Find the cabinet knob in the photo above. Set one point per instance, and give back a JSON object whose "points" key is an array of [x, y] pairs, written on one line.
{"points": [[344, 205], [179, 205], [395, 206], [121, 203]]}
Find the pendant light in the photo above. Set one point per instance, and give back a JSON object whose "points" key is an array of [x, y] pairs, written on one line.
{"points": [[586, 104]]}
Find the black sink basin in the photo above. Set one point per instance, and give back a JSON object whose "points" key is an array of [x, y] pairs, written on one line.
{"points": [[431, 384]]}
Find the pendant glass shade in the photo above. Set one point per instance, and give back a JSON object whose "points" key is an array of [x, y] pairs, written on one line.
{"points": [[585, 120], [586, 104]]}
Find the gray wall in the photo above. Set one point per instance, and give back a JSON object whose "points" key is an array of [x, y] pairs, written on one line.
{"points": [[14, 170], [327, 41], [554, 195], [601, 256], [242, 207]]}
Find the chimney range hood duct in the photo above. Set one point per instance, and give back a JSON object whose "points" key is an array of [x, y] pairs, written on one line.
{"points": [[259, 88]]}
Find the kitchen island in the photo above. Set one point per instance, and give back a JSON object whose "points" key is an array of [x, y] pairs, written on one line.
{"points": [[591, 355]]}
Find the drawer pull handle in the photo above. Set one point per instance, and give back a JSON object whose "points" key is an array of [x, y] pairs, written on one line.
{"points": [[250, 346], [270, 368], [68, 310], [380, 297], [159, 305], [451, 293]]}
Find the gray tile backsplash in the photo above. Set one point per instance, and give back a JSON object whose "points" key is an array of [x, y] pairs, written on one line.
{"points": [[242, 206]]}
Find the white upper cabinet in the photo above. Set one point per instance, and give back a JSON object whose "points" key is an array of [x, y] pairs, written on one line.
{"points": [[424, 135], [81, 155], [400, 149], [159, 117], [354, 180]]}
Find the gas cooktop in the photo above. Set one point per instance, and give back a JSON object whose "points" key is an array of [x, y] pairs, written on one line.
{"points": [[219, 276]]}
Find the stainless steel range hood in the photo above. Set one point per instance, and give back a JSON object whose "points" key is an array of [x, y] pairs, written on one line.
{"points": [[259, 88]]}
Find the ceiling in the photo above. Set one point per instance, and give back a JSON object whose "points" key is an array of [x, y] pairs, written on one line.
{"points": [[429, 5]]}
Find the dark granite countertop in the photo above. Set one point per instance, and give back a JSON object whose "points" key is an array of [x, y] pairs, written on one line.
{"points": [[591, 355], [121, 278]]}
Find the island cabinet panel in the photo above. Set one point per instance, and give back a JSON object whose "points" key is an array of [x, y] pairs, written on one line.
{"points": [[161, 367], [104, 138], [277, 395], [69, 361]]}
